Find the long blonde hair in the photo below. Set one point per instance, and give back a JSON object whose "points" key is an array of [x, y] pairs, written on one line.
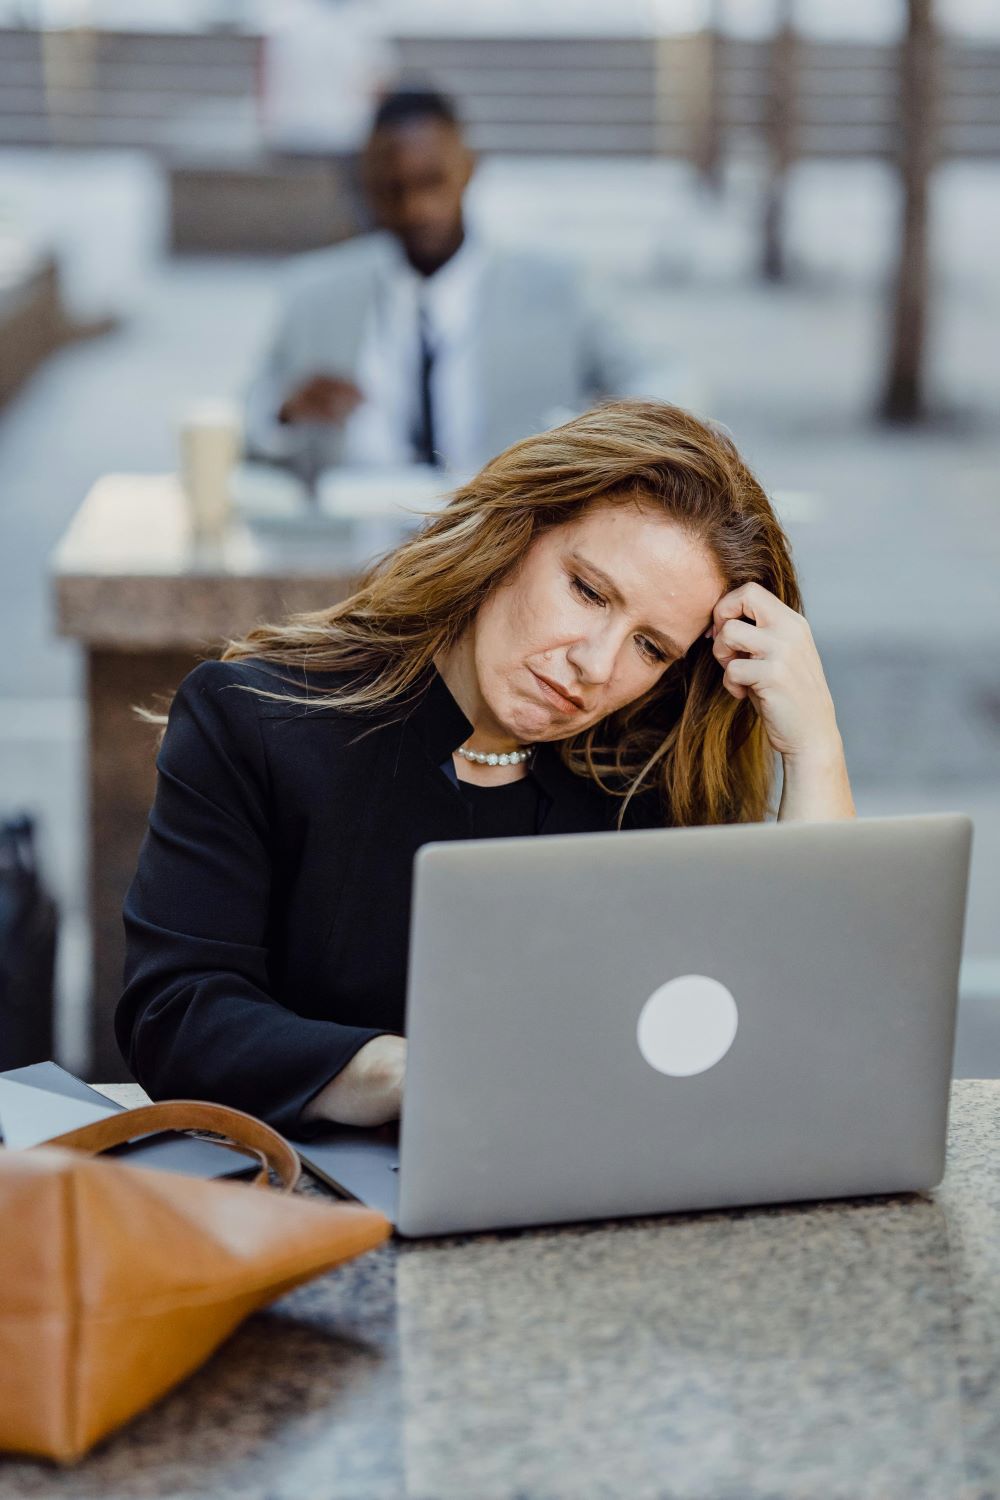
{"points": [[706, 752]]}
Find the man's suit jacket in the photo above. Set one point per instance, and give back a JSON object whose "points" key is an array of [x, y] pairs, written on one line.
{"points": [[268, 921], [543, 348]]}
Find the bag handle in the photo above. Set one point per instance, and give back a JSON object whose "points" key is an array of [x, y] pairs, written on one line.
{"points": [[244, 1132]]}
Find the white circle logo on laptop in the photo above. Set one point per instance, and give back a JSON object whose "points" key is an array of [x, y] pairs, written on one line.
{"points": [[687, 1025]]}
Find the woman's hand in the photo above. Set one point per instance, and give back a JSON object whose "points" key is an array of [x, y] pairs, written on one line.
{"points": [[369, 1090], [768, 655]]}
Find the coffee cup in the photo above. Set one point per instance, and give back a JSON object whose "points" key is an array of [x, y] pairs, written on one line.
{"points": [[210, 437]]}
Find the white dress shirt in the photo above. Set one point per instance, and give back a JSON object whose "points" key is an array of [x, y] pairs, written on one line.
{"points": [[379, 433]]}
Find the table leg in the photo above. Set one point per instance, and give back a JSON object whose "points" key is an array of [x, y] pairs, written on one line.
{"points": [[122, 777]]}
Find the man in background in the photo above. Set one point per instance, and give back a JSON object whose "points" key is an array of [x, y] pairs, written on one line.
{"points": [[420, 344]]}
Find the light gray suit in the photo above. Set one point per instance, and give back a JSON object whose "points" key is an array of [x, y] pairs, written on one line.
{"points": [[543, 348]]}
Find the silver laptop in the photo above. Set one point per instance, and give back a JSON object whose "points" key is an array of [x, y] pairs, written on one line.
{"points": [[604, 1025]]}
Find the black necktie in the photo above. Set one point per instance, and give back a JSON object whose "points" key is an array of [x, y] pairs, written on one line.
{"points": [[423, 432]]}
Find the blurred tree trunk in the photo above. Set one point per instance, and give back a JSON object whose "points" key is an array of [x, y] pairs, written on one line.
{"points": [[904, 397], [708, 131], [779, 136]]}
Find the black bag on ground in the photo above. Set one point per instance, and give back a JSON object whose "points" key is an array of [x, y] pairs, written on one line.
{"points": [[28, 922]]}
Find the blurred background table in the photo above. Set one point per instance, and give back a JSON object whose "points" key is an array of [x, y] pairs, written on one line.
{"points": [[146, 602]]}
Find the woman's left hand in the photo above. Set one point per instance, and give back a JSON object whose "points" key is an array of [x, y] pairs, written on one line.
{"points": [[768, 655]]}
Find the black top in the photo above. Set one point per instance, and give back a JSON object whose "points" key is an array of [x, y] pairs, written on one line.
{"points": [[267, 923], [507, 811]]}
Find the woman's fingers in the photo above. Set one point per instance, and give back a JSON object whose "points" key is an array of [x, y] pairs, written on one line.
{"points": [[737, 637], [744, 673], [767, 654], [754, 601]]}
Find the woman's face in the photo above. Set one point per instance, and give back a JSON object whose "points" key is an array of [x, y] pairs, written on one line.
{"points": [[596, 613]]}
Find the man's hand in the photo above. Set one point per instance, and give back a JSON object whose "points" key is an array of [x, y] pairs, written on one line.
{"points": [[322, 398], [369, 1091]]}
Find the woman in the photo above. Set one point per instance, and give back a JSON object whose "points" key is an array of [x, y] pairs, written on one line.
{"points": [[601, 630]]}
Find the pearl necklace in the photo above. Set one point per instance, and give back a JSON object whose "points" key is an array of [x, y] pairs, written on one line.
{"points": [[508, 758]]}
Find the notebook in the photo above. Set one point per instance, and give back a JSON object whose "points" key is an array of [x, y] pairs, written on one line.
{"points": [[43, 1100]]}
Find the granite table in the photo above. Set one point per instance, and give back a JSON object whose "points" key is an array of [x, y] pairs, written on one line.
{"points": [[146, 601], [837, 1351]]}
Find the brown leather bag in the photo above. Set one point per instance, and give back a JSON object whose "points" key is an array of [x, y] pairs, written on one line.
{"points": [[117, 1281]]}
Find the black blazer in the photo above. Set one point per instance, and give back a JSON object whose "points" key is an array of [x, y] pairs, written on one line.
{"points": [[267, 923]]}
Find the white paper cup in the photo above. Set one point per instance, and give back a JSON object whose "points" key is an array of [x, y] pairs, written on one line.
{"points": [[210, 438]]}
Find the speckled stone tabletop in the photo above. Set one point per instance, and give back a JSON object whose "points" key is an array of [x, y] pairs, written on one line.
{"points": [[838, 1351]]}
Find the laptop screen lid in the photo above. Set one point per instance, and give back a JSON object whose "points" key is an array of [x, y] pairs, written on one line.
{"points": [[603, 1025]]}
